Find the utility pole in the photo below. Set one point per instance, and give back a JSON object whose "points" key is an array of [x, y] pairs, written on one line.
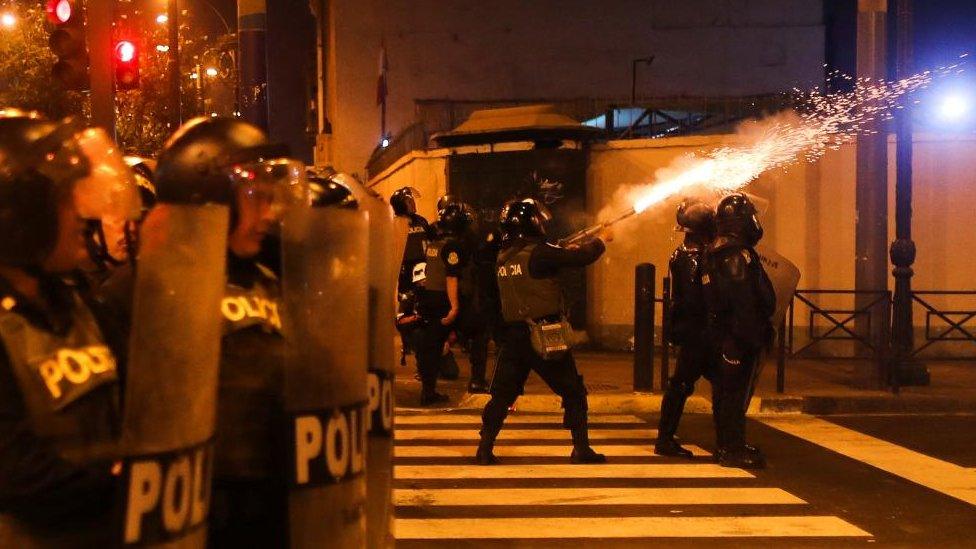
{"points": [[871, 200], [100, 15], [252, 31], [176, 100], [905, 371]]}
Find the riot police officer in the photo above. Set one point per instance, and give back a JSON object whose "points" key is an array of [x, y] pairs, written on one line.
{"points": [[404, 203], [533, 336], [60, 384], [438, 298], [687, 321], [230, 161], [740, 301]]}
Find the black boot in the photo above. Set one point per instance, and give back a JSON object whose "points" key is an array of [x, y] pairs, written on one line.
{"points": [[432, 398], [670, 447], [672, 407], [582, 453], [741, 457], [478, 387], [485, 454]]}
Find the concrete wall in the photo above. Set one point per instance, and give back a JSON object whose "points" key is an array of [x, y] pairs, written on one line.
{"points": [[557, 49], [810, 220]]}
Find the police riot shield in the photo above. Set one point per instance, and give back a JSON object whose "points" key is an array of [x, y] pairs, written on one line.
{"points": [[784, 276], [325, 288], [387, 239], [171, 380]]}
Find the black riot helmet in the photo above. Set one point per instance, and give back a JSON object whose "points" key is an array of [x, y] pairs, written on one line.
{"points": [[207, 156], [44, 162], [735, 217], [696, 218], [445, 200], [521, 218], [454, 218], [328, 190], [404, 201]]}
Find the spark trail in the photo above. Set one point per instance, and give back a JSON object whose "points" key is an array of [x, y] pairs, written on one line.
{"points": [[819, 122]]}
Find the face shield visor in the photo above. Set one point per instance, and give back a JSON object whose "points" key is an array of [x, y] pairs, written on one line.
{"points": [[265, 189], [109, 189]]}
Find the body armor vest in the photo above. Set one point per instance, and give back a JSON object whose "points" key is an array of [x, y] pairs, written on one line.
{"points": [[436, 280], [251, 370], [413, 253], [69, 382], [688, 315], [524, 297]]}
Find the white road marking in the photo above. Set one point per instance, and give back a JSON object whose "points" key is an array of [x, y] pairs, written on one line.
{"points": [[431, 419], [608, 470], [633, 450], [625, 527], [523, 434], [942, 476], [595, 496]]}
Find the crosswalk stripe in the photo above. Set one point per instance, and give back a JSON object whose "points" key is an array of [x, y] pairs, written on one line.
{"points": [[633, 450], [609, 470], [625, 527], [431, 419], [595, 496], [936, 474], [523, 434]]}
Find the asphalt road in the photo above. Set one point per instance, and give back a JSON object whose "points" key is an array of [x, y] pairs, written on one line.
{"points": [[851, 481]]}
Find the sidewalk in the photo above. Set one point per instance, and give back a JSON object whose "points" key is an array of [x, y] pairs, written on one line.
{"points": [[812, 386]]}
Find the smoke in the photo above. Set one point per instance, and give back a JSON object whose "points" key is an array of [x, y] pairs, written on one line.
{"points": [[819, 122]]}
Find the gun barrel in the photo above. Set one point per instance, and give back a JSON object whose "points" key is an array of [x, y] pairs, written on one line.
{"points": [[594, 229]]}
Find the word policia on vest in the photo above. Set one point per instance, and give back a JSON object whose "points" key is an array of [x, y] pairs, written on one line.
{"points": [[240, 307], [70, 373]]}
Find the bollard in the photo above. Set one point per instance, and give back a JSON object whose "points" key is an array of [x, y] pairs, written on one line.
{"points": [[644, 327]]}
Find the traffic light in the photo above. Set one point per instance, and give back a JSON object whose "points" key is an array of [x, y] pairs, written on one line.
{"points": [[68, 43], [126, 56]]}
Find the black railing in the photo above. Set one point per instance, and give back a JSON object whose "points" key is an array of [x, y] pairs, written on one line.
{"points": [[950, 324], [852, 324]]}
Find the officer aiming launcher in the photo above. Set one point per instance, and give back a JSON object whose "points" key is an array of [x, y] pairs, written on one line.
{"points": [[593, 230]]}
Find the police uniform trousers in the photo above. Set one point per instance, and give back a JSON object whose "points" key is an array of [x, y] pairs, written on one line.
{"points": [[516, 359], [694, 362], [730, 387], [475, 326], [428, 342]]}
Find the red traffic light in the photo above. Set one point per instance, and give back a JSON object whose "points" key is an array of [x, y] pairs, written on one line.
{"points": [[59, 11], [125, 51], [126, 65]]}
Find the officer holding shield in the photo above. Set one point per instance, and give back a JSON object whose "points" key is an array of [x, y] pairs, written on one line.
{"points": [[740, 300], [533, 336], [59, 382], [230, 161]]}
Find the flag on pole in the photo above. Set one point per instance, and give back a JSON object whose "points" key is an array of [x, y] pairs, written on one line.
{"points": [[381, 82]]}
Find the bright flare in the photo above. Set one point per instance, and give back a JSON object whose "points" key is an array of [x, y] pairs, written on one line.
{"points": [[8, 20], [821, 122]]}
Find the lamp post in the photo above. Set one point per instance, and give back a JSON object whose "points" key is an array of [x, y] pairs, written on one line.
{"points": [[904, 370], [633, 77]]}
